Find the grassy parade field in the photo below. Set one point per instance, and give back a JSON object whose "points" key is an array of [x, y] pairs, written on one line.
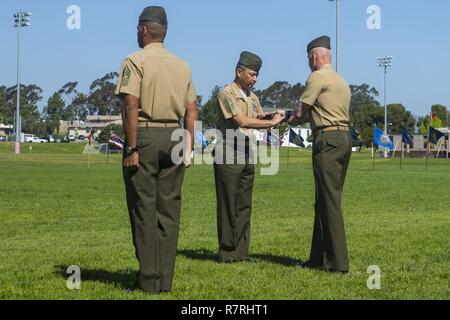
{"points": [[56, 212]]}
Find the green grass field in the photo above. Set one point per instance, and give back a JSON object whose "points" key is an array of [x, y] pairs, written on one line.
{"points": [[55, 212]]}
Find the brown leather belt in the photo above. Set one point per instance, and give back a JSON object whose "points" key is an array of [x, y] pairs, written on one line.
{"points": [[332, 128], [150, 124]]}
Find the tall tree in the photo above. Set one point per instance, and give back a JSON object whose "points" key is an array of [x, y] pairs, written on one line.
{"points": [[54, 112], [81, 104], [30, 95], [365, 111], [69, 94], [362, 95], [440, 111], [102, 100], [280, 95], [424, 122], [209, 113], [364, 120], [6, 116], [397, 117]]}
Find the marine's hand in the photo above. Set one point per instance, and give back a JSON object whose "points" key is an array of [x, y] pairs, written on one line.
{"points": [[262, 116], [187, 160], [293, 121], [281, 112], [187, 164], [131, 162], [266, 116], [277, 118]]}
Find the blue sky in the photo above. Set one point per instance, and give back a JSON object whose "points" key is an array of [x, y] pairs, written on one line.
{"points": [[210, 34]]}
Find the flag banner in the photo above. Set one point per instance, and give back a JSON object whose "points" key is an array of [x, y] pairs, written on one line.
{"points": [[381, 140], [407, 137], [355, 136], [435, 135], [296, 139], [117, 141], [273, 139]]}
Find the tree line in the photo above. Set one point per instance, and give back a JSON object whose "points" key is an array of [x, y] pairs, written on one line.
{"points": [[69, 104]]}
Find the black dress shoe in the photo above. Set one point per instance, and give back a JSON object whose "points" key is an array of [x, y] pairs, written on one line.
{"points": [[249, 259], [236, 260], [310, 265]]}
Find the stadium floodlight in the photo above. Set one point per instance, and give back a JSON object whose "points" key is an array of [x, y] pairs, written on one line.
{"points": [[21, 20], [385, 62], [337, 32]]}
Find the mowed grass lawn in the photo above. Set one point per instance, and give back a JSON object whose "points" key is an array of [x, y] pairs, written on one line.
{"points": [[55, 212]]}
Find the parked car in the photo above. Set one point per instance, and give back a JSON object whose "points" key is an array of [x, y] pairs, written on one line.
{"points": [[71, 137], [38, 140], [2, 139], [28, 137], [48, 139]]}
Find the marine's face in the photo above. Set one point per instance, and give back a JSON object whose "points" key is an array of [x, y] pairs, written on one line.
{"points": [[247, 77]]}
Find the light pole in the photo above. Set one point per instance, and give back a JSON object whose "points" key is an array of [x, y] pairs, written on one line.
{"points": [[385, 62], [337, 32], [21, 19]]}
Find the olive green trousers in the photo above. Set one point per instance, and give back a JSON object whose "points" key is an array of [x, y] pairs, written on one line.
{"points": [[331, 157], [234, 189], [153, 195]]}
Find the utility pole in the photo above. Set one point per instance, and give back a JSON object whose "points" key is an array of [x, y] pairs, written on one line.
{"points": [[338, 26], [22, 20]]}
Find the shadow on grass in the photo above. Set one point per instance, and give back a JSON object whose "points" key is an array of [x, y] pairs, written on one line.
{"points": [[125, 279], [200, 254], [281, 260], [207, 255]]}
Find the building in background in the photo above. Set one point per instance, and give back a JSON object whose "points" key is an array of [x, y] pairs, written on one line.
{"points": [[5, 131], [93, 124]]}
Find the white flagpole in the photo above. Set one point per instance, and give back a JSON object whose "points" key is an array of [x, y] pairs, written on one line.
{"points": [[440, 148], [403, 153], [395, 150]]}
